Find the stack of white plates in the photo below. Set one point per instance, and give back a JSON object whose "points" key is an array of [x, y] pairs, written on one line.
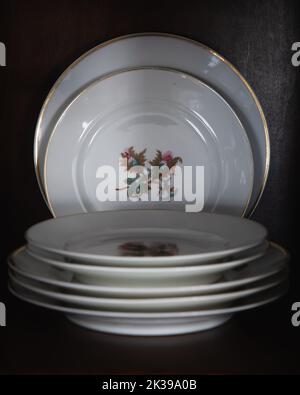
{"points": [[150, 266], [145, 272]]}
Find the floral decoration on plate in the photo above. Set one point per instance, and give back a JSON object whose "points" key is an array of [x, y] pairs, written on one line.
{"points": [[163, 162], [136, 248]]}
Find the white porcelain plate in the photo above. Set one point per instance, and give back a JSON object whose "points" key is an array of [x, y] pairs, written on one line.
{"points": [[272, 263], [149, 324], [160, 50], [153, 237], [145, 275], [148, 304], [148, 118]]}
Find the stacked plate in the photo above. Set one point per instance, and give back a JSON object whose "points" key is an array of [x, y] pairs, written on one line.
{"points": [[134, 254], [145, 272]]}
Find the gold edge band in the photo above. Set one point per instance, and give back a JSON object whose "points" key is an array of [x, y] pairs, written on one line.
{"points": [[16, 251], [280, 248], [116, 39], [128, 70]]}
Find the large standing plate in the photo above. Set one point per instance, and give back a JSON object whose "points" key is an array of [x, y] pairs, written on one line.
{"points": [[151, 49], [165, 117]]}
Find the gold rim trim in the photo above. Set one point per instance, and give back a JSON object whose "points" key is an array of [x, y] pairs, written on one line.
{"points": [[16, 251], [123, 71], [116, 39], [280, 248]]}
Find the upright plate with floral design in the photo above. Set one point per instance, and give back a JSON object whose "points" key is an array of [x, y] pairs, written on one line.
{"points": [[160, 50], [148, 119]]}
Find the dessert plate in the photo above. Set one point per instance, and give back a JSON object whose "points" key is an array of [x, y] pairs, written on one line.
{"points": [[162, 50], [152, 237], [272, 263], [147, 304], [149, 324], [144, 119]]}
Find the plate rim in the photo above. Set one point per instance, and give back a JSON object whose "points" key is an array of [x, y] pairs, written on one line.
{"points": [[77, 286], [281, 289], [85, 300], [213, 254], [201, 267]]}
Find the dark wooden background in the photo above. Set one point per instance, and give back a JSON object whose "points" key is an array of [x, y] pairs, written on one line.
{"points": [[42, 39]]}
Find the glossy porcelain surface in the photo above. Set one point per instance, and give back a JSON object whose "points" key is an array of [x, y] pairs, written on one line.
{"points": [[144, 276], [149, 324], [148, 327], [269, 265], [151, 117], [163, 51], [147, 304], [100, 237]]}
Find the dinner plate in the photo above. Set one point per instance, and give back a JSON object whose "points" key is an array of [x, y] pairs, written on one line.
{"points": [[162, 50], [149, 324], [145, 276], [148, 118], [147, 304], [245, 256], [152, 237], [272, 263]]}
